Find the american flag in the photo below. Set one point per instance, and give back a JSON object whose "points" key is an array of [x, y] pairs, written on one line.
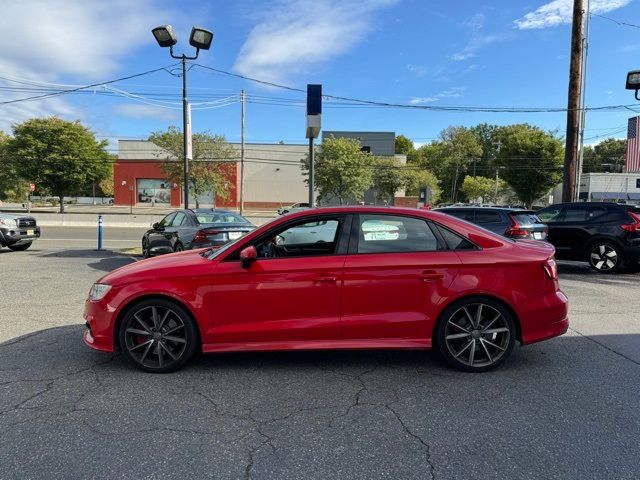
{"points": [[633, 153]]}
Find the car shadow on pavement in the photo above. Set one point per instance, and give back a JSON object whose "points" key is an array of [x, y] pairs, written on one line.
{"points": [[106, 260]]}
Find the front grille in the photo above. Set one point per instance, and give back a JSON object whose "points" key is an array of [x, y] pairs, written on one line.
{"points": [[26, 222]]}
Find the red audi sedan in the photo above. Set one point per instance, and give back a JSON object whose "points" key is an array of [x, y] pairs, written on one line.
{"points": [[335, 278]]}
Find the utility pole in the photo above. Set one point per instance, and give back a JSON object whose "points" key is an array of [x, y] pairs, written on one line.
{"points": [[242, 102], [583, 99], [573, 104], [186, 132]]}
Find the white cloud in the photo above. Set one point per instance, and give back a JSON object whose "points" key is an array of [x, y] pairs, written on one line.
{"points": [[139, 110], [453, 92], [477, 39], [418, 70], [420, 100], [55, 40], [559, 12], [294, 35]]}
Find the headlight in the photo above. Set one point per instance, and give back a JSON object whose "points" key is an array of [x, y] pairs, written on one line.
{"points": [[8, 222], [98, 291]]}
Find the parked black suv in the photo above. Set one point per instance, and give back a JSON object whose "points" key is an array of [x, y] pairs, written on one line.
{"points": [[607, 235], [17, 231], [510, 222]]}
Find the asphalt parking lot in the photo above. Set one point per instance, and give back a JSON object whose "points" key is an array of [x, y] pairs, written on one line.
{"points": [[566, 409]]}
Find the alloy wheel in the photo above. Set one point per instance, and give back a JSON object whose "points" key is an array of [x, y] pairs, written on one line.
{"points": [[477, 335], [156, 337], [604, 257]]}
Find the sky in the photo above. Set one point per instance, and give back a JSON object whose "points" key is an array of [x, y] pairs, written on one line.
{"points": [[499, 53]]}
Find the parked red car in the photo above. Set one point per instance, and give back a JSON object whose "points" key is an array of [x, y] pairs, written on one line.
{"points": [[335, 278]]}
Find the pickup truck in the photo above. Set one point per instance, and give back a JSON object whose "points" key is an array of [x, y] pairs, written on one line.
{"points": [[17, 232]]}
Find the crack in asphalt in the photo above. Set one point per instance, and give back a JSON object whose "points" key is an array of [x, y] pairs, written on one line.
{"points": [[606, 347]]}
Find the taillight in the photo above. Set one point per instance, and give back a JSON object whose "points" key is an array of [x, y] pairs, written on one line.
{"points": [[201, 236], [632, 227], [515, 231], [550, 267]]}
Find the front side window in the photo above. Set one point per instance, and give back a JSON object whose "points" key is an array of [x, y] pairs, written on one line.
{"points": [[179, 219], [575, 214], [395, 234], [306, 238], [550, 214], [166, 221]]}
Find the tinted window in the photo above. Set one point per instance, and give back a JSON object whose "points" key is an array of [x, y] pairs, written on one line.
{"points": [[219, 217], [179, 219], [597, 213], [575, 214], [463, 214], [487, 216], [455, 241], [550, 214], [525, 218], [394, 234], [166, 221]]}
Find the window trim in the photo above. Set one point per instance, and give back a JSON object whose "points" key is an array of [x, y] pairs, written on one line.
{"points": [[345, 221], [354, 238]]}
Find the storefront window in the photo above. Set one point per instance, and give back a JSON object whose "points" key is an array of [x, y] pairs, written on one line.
{"points": [[154, 191]]}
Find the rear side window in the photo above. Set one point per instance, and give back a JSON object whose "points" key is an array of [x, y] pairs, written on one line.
{"points": [[597, 213], [575, 214], [395, 234], [486, 216], [455, 241]]}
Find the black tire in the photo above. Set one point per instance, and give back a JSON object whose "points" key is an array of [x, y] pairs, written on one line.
{"points": [[158, 342], [605, 257], [178, 247], [19, 248], [468, 348], [146, 252]]}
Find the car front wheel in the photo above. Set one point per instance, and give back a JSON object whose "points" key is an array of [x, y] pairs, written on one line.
{"points": [[605, 257], [475, 334], [146, 252], [19, 248], [158, 336]]}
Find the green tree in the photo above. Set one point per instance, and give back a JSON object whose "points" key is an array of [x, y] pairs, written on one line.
{"points": [[417, 179], [342, 170], [483, 187], [208, 170], [106, 184], [389, 176], [58, 156], [612, 154], [532, 160], [404, 145]]}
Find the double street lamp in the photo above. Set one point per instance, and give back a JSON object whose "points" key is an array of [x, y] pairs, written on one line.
{"points": [[200, 39]]}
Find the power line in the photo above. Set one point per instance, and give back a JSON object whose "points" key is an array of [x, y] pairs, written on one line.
{"points": [[625, 24], [84, 87]]}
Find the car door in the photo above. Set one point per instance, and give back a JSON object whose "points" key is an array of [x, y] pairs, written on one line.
{"points": [[552, 216], [172, 232], [394, 278], [291, 293], [157, 240], [570, 232]]}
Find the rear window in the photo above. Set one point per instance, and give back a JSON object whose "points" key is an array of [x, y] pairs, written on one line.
{"points": [[525, 218], [219, 217], [462, 214]]}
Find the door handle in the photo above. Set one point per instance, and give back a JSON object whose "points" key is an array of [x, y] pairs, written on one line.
{"points": [[326, 280], [431, 275]]}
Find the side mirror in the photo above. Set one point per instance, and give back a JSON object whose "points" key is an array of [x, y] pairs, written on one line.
{"points": [[248, 256], [157, 226]]}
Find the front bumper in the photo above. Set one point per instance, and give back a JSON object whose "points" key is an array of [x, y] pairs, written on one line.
{"points": [[98, 318], [18, 235]]}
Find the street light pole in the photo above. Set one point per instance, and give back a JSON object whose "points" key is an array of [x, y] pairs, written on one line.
{"points": [[200, 39]]}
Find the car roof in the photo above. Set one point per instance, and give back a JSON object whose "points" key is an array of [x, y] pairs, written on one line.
{"points": [[489, 208], [211, 210]]}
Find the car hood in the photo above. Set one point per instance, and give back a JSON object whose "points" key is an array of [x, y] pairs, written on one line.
{"points": [[14, 217], [188, 263]]}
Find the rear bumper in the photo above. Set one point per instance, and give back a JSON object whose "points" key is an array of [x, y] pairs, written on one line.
{"points": [[632, 255], [547, 319]]}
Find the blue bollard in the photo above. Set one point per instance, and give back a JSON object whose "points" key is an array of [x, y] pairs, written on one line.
{"points": [[99, 232]]}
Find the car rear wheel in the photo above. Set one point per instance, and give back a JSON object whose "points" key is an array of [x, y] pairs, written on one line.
{"points": [[158, 336], [19, 248], [605, 257], [475, 334]]}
